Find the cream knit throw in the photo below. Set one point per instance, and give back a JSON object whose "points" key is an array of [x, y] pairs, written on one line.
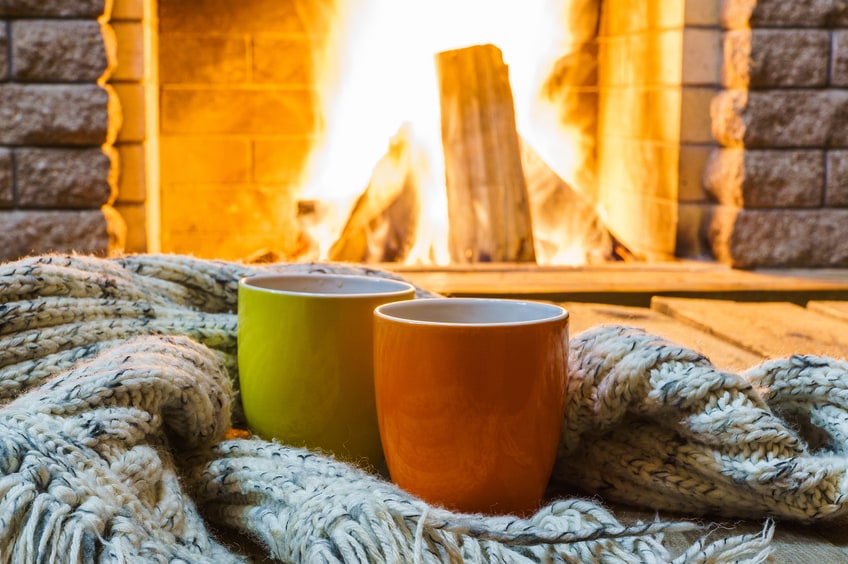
{"points": [[116, 388]]}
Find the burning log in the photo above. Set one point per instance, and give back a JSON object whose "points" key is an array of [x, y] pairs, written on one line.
{"points": [[567, 227], [384, 221], [488, 207]]}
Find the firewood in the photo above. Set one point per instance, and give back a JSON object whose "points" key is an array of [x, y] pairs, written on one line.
{"points": [[488, 208], [383, 223], [567, 228]]}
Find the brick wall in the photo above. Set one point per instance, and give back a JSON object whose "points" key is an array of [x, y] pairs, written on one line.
{"points": [[780, 173], [132, 81], [658, 64], [58, 123], [237, 119], [723, 129]]}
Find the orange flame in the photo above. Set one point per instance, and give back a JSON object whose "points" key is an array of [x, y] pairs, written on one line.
{"points": [[380, 73]]}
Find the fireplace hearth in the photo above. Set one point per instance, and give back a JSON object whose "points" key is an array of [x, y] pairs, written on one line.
{"points": [[705, 129]]}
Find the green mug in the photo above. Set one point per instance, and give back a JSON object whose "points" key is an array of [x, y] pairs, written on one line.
{"points": [[305, 358]]}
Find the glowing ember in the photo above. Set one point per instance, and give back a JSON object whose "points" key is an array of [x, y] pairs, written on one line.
{"points": [[379, 73]]}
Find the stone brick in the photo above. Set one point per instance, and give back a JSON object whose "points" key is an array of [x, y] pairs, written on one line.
{"points": [[783, 13], [247, 111], [781, 118], [839, 59], [201, 16], [701, 56], [280, 161], [283, 60], [90, 9], [766, 179], [693, 159], [67, 114], [200, 159], [65, 178], [7, 189], [83, 231], [4, 52], [624, 17], [691, 219], [128, 10], [133, 104], [228, 221], [779, 238], [129, 51], [132, 180], [765, 58], [695, 124], [60, 51], [135, 217], [203, 60], [836, 187], [656, 123], [736, 55], [700, 13], [649, 59]]}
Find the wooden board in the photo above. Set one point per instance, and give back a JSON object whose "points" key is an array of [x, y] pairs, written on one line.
{"points": [[488, 205], [724, 332], [384, 221], [621, 283], [839, 310], [791, 543], [723, 354], [736, 336], [766, 329], [564, 222]]}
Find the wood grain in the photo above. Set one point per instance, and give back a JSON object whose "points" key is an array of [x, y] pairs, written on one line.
{"points": [[737, 335], [839, 310], [383, 223], [488, 206], [724, 355], [619, 283], [767, 329]]}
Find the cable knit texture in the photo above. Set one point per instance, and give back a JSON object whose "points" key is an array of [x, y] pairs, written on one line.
{"points": [[118, 383]]}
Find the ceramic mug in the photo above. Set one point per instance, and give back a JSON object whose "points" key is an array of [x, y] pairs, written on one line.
{"points": [[305, 360], [470, 399]]}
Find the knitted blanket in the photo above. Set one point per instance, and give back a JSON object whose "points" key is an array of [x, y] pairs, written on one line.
{"points": [[118, 385]]}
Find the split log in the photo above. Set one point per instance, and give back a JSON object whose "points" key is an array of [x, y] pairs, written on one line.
{"points": [[384, 220], [488, 207], [567, 227]]}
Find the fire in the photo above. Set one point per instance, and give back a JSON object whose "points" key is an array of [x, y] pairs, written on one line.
{"points": [[379, 77]]}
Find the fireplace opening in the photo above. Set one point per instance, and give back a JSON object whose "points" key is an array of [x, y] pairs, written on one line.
{"points": [[417, 132], [683, 129], [329, 117]]}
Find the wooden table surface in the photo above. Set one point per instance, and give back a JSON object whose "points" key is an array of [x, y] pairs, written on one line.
{"points": [[735, 336], [736, 318]]}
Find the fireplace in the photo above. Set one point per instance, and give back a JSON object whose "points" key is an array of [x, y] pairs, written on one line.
{"points": [[700, 129]]}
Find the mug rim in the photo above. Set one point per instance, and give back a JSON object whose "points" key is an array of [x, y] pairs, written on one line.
{"points": [[388, 313], [391, 287]]}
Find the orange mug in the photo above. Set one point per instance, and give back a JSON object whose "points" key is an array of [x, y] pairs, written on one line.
{"points": [[470, 398]]}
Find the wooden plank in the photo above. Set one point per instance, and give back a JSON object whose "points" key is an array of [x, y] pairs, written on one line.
{"points": [[791, 543], [767, 329], [723, 354], [488, 206], [565, 224], [621, 283], [836, 533], [839, 310], [384, 221], [804, 544]]}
